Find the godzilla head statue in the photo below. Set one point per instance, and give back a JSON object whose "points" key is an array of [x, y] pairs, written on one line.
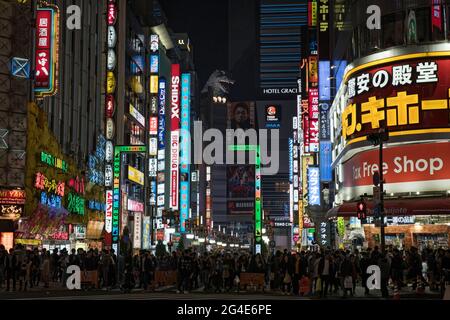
{"points": [[219, 83]]}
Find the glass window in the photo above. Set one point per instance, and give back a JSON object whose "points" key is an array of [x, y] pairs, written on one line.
{"points": [[369, 41], [393, 29], [423, 18]]}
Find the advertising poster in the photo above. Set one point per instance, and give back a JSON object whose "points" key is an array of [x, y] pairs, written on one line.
{"points": [[241, 189], [241, 115]]}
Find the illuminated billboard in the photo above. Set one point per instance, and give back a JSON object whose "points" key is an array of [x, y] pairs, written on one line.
{"points": [[185, 149], [174, 136], [408, 94], [406, 168]]}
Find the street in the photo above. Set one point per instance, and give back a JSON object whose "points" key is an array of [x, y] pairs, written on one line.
{"points": [[169, 293]]}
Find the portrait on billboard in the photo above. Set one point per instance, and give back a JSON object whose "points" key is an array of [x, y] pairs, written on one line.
{"points": [[241, 181], [241, 115]]}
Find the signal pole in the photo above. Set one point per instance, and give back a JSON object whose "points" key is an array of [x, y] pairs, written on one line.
{"points": [[377, 139]]}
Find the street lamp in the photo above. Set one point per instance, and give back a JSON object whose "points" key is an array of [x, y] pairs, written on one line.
{"points": [[377, 139]]}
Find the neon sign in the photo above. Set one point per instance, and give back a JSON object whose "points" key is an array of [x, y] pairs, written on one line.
{"points": [[53, 161], [410, 97], [51, 200], [116, 187], [76, 204], [46, 53], [42, 183]]}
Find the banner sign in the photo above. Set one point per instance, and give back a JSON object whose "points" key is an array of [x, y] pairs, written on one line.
{"points": [[174, 136], [313, 186], [46, 53]]}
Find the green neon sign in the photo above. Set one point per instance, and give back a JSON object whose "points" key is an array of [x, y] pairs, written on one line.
{"points": [[53, 161], [243, 147], [258, 213], [116, 186]]}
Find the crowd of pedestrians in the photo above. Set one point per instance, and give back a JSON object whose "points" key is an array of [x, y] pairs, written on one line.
{"points": [[320, 273]]}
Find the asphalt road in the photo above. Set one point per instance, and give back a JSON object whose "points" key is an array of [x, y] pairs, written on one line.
{"points": [[170, 294]]}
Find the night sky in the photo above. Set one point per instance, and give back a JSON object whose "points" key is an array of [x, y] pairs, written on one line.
{"points": [[206, 22]]}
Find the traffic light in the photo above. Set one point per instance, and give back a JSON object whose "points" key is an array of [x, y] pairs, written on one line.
{"points": [[361, 210]]}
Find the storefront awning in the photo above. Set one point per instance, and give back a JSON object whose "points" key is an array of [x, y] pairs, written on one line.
{"points": [[403, 207]]}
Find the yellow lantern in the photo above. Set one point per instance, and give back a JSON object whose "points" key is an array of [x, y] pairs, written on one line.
{"points": [[110, 83]]}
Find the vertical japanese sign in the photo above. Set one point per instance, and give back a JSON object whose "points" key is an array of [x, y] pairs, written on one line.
{"points": [[313, 120], [312, 13], [137, 237], [185, 149], [258, 212], [108, 214], [174, 136], [208, 198], [162, 115], [47, 50], [313, 186], [291, 179], [112, 221], [436, 14], [161, 199], [324, 35], [324, 234], [146, 233], [116, 198], [325, 161]]}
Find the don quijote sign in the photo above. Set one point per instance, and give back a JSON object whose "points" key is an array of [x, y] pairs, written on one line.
{"points": [[421, 166]]}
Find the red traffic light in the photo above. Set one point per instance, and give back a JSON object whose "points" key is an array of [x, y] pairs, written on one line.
{"points": [[361, 210]]}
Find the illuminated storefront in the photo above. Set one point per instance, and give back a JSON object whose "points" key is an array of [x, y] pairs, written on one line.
{"points": [[407, 92]]}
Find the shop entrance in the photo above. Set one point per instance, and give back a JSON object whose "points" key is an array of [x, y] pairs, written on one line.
{"points": [[428, 240]]}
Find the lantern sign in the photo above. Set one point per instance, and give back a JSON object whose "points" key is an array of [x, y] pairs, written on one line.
{"points": [[110, 83], [154, 42], [110, 129], [109, 151], [112, 13], [108, 175], [110, 106], [111, 61], [46, 53], [112, 37]]}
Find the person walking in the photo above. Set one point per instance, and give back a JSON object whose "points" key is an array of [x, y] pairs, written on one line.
{"points": [[28, 272], [383, 263], [287, 271], [11, 269], [45, 269], [3, 259], [326, 270], [364, 264], [346, 273]]}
